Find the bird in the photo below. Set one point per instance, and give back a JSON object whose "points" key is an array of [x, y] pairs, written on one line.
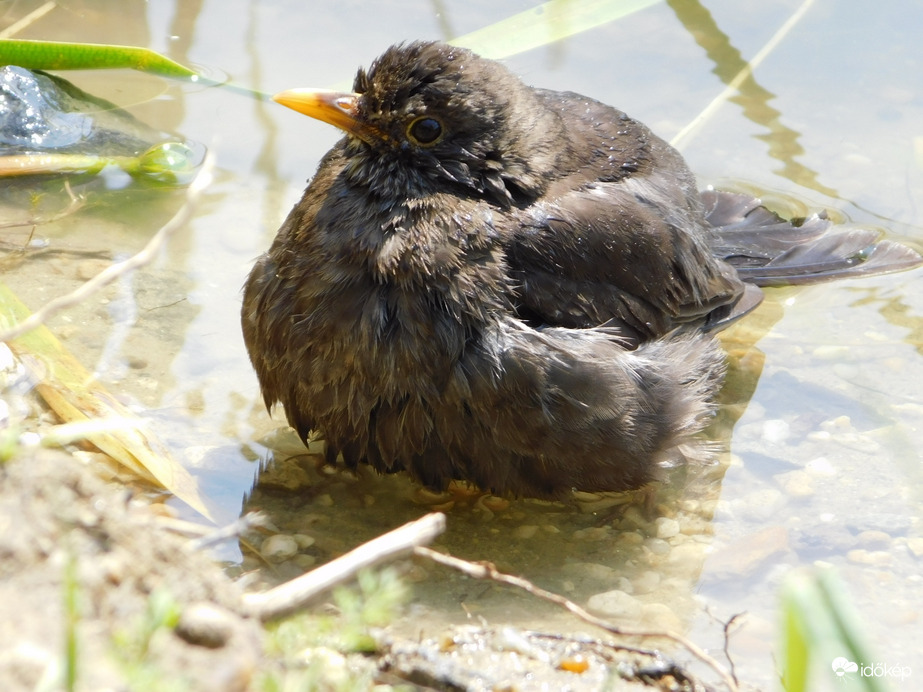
{"points": [[519, 288]]}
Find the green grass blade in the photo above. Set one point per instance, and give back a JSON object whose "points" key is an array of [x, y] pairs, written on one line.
{"points": [[56, 55], [818, 626], [547, 23]]}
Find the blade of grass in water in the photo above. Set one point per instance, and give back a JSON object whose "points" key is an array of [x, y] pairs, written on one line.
{"points": [[547, 23], [56, 55], [60, 55], [75, 396], [818, 627], [169, 162]]}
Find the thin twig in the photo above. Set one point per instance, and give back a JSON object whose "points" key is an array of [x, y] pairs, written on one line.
{"points": [[485, 570], [294, 595], [727, 642], [114, 271]]}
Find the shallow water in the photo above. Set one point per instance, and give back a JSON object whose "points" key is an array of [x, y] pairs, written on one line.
{"points": [[824, 463]]}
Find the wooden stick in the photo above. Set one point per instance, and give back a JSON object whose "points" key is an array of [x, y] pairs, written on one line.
{"points": [[294, 595]]}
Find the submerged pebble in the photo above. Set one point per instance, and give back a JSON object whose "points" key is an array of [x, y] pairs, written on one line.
{"points": [[592, 533], [795, 483], [666, 527], [615, 604], [661, 616], [861, 556], [279, 548], [646, 582], [206, 624], [525, 531], [775, 430]]}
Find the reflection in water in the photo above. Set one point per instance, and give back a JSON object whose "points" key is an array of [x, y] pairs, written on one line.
{"points": [[896, 311], [782, 140]]}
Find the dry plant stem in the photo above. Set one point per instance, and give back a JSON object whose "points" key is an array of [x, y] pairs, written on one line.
{"points": [[114, 271], [484, 570], [294, 595]]}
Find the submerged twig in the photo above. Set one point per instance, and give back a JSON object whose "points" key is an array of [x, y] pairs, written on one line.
{"points": [[486, 570], [114, 271], [727, 642], [296, 594]]}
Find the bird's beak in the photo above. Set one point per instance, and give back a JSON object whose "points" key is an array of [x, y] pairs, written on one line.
{"points": [[335, 107]]}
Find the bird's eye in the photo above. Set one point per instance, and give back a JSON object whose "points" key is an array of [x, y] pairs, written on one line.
{"points": [[424, 131]]}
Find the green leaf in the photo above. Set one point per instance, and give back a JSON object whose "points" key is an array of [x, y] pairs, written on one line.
{"points": [[57, 55]]}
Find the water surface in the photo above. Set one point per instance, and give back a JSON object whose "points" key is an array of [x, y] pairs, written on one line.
{"points": [[824, 415]]}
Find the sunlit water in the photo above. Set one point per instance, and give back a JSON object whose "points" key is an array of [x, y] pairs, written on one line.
{"points": [[824, 463]]}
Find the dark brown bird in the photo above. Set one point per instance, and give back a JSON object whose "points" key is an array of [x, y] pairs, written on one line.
{"points": [[510, 286]]}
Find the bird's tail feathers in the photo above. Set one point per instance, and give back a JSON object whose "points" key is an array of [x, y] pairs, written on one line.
{"points": [[767, 250]]}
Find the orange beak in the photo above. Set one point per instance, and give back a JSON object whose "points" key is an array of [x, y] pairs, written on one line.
{"points": [[335, 107]]}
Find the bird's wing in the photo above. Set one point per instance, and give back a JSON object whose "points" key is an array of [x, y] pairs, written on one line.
{"points": [[626, 254]]}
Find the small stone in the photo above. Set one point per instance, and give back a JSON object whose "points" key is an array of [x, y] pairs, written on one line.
{"points": [[592, 533], [525, 531], [873, 539], [869, 557], [658, 546], [661, 617], [646, 582], [615, 604], [285, 475], [305, 562], [837, 424], [324, 500], [205, 624], [590, 503], [591, 571], [629, 539], [831, 352], [279, 548], [745, 557], [303, 540], [666, 527], [795, 483], [687, 558], [775, 430], [696, 526], [820, 467]]}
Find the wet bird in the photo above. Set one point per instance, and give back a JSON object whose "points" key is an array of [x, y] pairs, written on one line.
{"points": [[511, 286]]}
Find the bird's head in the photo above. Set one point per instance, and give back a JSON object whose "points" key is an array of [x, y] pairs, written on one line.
{"points": [[427, 116]]}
